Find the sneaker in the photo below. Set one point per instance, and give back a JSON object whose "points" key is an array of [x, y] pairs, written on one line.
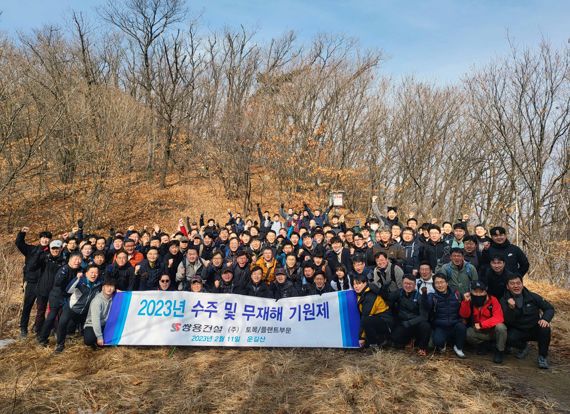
{"points": [[523, 352], [59, 348], [498, 357], [458, 352], [542, 362], [23, 332]]}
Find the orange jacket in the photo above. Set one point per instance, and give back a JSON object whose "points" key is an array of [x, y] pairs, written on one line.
{"points": [[268, 269]]}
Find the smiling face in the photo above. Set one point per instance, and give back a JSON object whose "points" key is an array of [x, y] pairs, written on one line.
{"points": [[256, 276], [515, 286], [121, 259], [440, 284], [92, 274], [359, 286]]}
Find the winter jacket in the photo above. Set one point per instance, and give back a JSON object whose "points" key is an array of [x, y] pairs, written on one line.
{"points": [[186, 271], [436, 253], [241, 275], [496, 283], [49, 265], [314, 290], [411, 260], [32, 263], [124, 276], [534, 307], [383, 219], [268, 269], [443, 308], [82, 291], [393, 250], [284, 290], [58, 295], [407, 307], [150, 274], [488, 316], [370, 304], [515, 259], [333, 259], [344, 284], [391, 277], [261, 290], [227, 288], [98, 314], [460, 279]]}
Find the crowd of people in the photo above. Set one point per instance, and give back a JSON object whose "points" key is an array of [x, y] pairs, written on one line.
{"points": [[418, 285]]}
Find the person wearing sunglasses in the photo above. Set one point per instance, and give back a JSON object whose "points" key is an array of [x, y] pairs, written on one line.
{"points": [[164, 283]]}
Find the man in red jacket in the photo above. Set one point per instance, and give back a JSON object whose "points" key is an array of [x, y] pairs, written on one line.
{"points": [[487, 319]]}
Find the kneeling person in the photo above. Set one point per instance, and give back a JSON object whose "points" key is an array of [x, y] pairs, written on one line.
{"points": [[98, 314], [486, 314], [411, 316], [375, 316], [527, 316]]}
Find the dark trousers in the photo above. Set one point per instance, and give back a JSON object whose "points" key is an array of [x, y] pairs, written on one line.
{"points": [[68, 318], [50, 320], [420, 332], [41, 308], [376, 328], [29, 300], [454, 334], [518, 338], [89, 337]]}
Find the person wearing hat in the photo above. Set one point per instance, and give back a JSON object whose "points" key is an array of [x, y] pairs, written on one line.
{"points": [[515, 259], [197, 284], [32, 273], [528, 317], [49, 264], [486, 319], [226, 282], [282, 287], [375, 316], [256, 286], [98, 314]]}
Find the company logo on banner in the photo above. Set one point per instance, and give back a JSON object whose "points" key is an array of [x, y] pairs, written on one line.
{"points": [[204, 319]]}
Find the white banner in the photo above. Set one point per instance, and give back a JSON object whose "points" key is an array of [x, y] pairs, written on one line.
{"points": [[205, 319]]}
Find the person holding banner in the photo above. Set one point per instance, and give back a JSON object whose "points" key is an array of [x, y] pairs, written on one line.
{"points": [[98, 314], [375, 316]]}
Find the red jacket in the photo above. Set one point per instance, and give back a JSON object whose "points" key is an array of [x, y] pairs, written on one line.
{"points": [[488, 315]]}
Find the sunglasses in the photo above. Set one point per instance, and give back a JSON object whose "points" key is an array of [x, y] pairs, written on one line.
{"points": [[165, 281]]}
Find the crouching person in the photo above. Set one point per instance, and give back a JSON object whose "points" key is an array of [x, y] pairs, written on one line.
{"points": [[411, 317], [98, 314], [82, 290], [527, 316], [375, 316], [486, 316], [443, 306]]}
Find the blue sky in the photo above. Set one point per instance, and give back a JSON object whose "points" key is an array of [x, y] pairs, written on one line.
{"points": [[432, 40]]}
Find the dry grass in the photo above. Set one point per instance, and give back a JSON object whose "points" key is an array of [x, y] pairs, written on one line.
{"points": [[166, 380]]}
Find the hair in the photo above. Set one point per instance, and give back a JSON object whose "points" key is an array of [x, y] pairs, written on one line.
{"points": [[434, 227], [425, 263], [409, 277], [514, 276], [412, 219], [99, 253], [380, 253], [439, 275], [336, 239], [457, 250], [408, 228], [255, 269], [499, 229], [92, 266]]}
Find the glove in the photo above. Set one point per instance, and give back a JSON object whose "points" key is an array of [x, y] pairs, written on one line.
{"points": [[282, 205]]}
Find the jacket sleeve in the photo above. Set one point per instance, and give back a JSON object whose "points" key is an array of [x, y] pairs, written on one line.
{"points": [[545, 306], [21, 244], [180, 272], [283, 213], [465, 309], [73, 284], [509, 314], [377, 213], [523, 262], [497, 317], [95, 309], [308, 210]]}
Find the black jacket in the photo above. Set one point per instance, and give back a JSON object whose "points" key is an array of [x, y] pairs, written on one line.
{"points": [[260, 290], [50, 265], [284, 290], [515, 259], [496, 283], [527, 316], [124, 276], [407, 307], [58, 295], [314, 290], [32, 263], [436, 254]]}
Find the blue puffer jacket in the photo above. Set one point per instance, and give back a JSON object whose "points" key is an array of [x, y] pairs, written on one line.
{"points": [[443, 308]]}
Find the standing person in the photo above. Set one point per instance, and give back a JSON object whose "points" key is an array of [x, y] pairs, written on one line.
{"points": [[98, 314], [486, 316], [515, 259], [268, 264], [447, 325], [123, 272], [58, 294], [50, 264], [435, 250], [32, 273], [385, 274], [411, 246], [528, 317], [496, 276], [459, 273], [82, 290], [150, 270], [391, 217], [190, 266], [483, 241]]}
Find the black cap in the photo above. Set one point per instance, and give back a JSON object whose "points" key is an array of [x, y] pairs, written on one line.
{"points": [[280, 271], [45, 234], [227, 269], [478, 284]]}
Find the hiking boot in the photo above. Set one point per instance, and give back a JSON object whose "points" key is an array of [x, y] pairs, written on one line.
{"points": [[59, 348], [23, 332], [458, 352], [498, 357], [523, 352], [542, 362]]}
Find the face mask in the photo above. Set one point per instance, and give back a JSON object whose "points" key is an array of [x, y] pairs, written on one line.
{"points": [[374, 227], [478, 301]]}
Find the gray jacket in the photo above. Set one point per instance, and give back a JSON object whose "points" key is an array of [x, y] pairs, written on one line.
{"points": [[98, 314]]}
